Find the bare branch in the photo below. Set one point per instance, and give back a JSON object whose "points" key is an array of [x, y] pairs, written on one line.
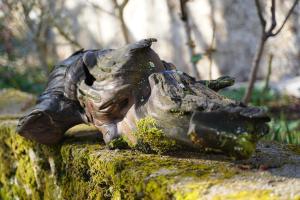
{"points": [[26, 10], [261, 45], [124, 3], [66, 35], [286, 18], [97, 7], [266, 87], [190, 42], [211, 49], [183, 10], [260, 14], [273, 19], [254, 69], [40, 25], [120, 8]]}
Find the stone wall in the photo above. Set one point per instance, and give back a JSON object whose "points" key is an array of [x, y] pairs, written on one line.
{"points": [[83, 168]]}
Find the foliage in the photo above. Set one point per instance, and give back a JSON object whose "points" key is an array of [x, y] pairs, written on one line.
{"points": [[195, 58], [260, 97], [284, 130], [30, 80]]}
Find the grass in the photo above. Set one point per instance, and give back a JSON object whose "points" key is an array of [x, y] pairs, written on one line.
{"points": [[284, 130], [283, 127], [260, 97]]}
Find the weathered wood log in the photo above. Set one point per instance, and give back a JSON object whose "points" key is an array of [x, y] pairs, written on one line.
{"points": [[131, 93]]}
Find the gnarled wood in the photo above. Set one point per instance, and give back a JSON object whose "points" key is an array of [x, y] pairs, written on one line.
{"points": [[114, 89]]}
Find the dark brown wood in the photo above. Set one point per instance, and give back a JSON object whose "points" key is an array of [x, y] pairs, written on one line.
{"points": [[114, 89]]}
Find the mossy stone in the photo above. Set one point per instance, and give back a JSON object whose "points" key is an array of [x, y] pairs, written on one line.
{"points": [[84, 168]]}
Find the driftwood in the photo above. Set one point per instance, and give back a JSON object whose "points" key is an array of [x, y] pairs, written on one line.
{"points": [[114, 89]]}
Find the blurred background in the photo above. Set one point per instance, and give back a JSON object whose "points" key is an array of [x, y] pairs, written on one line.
{"points": [[205, 38]]}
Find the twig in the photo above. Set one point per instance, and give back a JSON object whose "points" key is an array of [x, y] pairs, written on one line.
{"points": [[260, 15], [120, 8], [286, 18], [66, 35], [211, 48], [190, 42], [53, 20], [266, 34], [97, 7], [273, 19], [36, 29], [268, 73]]}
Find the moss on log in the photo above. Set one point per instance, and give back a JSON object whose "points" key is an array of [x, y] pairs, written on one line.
{"points": [[83, 168]]}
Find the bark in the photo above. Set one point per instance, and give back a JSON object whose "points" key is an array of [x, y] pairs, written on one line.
{"points": [[142, 105]]}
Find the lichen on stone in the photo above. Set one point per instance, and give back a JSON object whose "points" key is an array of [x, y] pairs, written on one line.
{"points": [[248, 195]]}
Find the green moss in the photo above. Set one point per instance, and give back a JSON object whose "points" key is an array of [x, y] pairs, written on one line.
{"points": [[11, 98], [248, 195], [236, 146], [83, 168], [193, 190], [9, 94], [239, 146], [178, 112], [23, 173], [82, 128], [150, 138], [294, 148], [147, 176], [76, 177], [244, 147], [118, 143]]}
